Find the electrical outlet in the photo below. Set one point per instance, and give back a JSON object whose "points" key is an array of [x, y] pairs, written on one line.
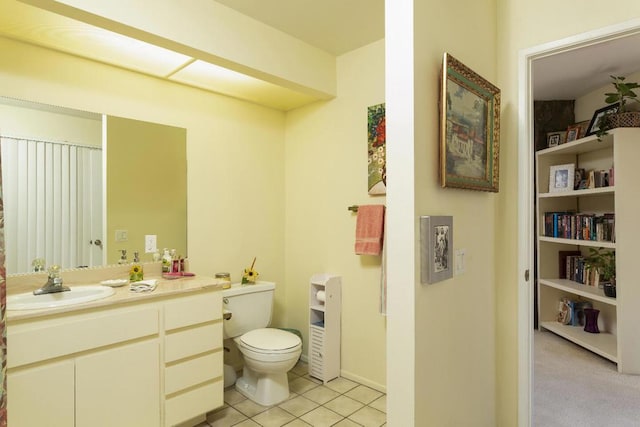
{"points": [[122, 235], [150, 243]]}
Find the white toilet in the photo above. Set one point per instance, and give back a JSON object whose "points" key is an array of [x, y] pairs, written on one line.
{"points": [[268, 353]]}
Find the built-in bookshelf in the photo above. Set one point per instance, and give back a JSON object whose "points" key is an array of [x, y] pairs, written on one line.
{"points": [[574, 219]]}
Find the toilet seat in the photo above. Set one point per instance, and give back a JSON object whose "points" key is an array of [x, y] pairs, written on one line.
{"points": [[270, 341]]}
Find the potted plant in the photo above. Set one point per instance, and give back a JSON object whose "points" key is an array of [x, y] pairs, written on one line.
{"points": [[604, 262], [624, 95]]}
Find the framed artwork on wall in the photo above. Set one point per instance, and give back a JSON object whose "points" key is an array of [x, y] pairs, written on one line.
{"points": [[469, 129], [377, 149], [436, 245]]}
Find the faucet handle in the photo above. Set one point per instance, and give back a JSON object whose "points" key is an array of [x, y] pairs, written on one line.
{"points": [[38, 264]]}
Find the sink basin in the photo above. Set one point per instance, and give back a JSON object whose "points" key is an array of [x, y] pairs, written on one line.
{"points": [[77, 295]]}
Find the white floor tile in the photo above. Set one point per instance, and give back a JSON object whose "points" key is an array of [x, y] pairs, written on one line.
{"points": [[369, 417], [339, 403], [363, 394]]}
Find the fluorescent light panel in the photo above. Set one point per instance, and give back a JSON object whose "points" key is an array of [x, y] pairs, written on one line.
{"points": [[40, 27], [221, 80]]}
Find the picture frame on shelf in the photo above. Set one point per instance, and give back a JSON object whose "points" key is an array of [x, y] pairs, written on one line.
{"points": [[436, 245], [561, 177], [556, 138], [573, 133], [594, 124], [583, 126], [469, 129], [580, 179]]}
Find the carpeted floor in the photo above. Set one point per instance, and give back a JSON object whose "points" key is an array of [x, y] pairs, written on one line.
{"points": [[574, 387]]}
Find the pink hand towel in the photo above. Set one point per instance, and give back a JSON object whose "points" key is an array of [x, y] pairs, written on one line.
{"points": [[369, 229]]}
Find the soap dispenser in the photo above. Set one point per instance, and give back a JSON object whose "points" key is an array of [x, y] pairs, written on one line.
{"points": [[123, 257], [135, 273], [166, 261]]}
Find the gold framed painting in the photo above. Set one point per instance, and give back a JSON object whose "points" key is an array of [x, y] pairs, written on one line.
{"points": [[469, 129]]}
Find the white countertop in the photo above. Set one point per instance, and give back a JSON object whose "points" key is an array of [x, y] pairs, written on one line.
{"points": [[165, 288]]}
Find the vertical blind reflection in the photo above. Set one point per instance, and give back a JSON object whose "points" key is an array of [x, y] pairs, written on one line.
{"points": [[51, 193]]}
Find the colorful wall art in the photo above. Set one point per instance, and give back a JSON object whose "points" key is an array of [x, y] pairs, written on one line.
{"points": [[377, 145]]}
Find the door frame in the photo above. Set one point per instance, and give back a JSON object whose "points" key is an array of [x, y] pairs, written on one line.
{"points": [[526, 216]]}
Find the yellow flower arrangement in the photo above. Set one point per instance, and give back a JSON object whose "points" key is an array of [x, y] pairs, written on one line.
{"points": [[250, 275], [135, 273]]}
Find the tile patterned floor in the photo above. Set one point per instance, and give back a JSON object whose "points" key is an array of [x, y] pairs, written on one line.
{"points": [[339, 403]]}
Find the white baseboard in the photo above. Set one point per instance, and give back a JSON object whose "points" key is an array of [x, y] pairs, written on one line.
{"points": [[364, 381], [353, 377]]}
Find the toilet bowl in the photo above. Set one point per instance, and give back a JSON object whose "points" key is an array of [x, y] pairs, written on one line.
{"points": [[268, 353]]}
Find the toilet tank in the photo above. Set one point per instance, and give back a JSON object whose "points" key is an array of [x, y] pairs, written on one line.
{"points": [[250, 307]]}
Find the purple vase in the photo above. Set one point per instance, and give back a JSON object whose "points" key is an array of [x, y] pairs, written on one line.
{"points": [[591, 320]]}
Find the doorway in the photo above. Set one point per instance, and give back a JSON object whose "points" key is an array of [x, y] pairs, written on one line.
{"points": [[531, 77]]}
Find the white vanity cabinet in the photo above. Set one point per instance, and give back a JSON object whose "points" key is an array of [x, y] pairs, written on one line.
{"points": [[136, 364], [126, 377], [42, 396], [192, 356]]}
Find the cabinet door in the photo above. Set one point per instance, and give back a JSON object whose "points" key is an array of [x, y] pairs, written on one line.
{"points": [[119, 387], [42, 396]]}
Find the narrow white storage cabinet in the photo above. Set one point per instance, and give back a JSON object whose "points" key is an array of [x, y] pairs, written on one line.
{"points": [[619, 317], [325, 305]]}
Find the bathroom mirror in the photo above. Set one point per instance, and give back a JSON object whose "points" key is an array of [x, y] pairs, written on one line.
{"points": [[79, 187]]}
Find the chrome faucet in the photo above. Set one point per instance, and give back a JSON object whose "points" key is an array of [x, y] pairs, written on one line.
{"points": [[54, 282]]}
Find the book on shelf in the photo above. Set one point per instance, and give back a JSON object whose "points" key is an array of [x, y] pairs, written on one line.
{"points": [[577, 270], [562, 262], [571, 312], [580, 226]]}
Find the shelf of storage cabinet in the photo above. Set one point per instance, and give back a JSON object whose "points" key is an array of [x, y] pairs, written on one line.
{"points": [[580, 193], [576, 242], [582, 145], [591, 292], [317, 308], [605, 344]]}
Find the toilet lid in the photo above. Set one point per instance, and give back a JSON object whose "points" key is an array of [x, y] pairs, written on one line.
{"points": [[270, 339]]}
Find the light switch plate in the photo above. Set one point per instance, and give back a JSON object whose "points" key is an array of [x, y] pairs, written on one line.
{"points": [[150, 243], [122, 235]]}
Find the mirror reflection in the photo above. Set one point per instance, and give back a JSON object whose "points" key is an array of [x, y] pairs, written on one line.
{"points": [[80, 187]]}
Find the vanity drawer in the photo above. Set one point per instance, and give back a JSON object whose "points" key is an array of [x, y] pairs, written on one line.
{"points": [[192, 372], [192, 341], [193, 309], [201, 400], [48, 338]]}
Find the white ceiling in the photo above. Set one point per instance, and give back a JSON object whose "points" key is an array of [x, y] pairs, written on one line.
{"points": [[573, 74]]}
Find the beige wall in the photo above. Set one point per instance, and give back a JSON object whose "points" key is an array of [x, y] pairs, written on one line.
{"points": [[521, 25], [235, 151], [453, 321], [326, 171]]}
